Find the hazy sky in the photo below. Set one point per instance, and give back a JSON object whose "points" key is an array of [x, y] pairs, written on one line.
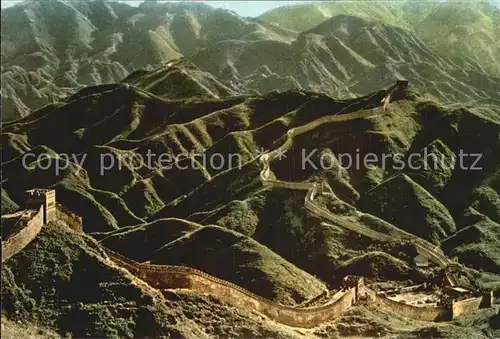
{"points": [[243, 8]]}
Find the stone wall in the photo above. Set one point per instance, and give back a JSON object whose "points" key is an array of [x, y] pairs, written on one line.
{"points": [[178, 277], [298, 317], [322, 295], [457, 308], [268, 178], [167, 277], [24, 236], [409, 311], [466, 306]]}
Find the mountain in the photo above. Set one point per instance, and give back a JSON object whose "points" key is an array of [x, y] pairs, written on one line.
{"points": [[328, 170], [341, 49], [197, 200], [303, 17], [458, 29], [52, 48], [179, 80], [347, 56]]}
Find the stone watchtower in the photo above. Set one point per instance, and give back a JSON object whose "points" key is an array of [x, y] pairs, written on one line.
{"points": [[46, 197]]}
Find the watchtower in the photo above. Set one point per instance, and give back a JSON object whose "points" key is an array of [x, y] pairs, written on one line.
{"points": [[46, 197]]}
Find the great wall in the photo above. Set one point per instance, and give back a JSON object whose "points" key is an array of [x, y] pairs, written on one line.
{"points": [[42, 208]]}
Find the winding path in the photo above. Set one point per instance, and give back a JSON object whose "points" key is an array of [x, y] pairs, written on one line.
{"points": [[425, 248], [164, 277]]}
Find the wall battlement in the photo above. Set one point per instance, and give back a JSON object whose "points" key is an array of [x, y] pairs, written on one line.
{"points": [[39, 192], [171, 277], [466, 306], [28, 230], [180, 277], [409, 311]]}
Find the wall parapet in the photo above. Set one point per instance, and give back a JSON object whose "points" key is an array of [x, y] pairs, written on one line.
{"points": [[167, 277], [268, 178], [466, 306], [16, 242], [410, 311]]}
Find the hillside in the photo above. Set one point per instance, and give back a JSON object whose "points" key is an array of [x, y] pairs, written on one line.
{"points": [[218, 217]]}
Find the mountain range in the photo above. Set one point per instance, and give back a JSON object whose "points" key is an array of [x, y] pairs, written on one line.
{"points": [[323, 48], [93, 147]]}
